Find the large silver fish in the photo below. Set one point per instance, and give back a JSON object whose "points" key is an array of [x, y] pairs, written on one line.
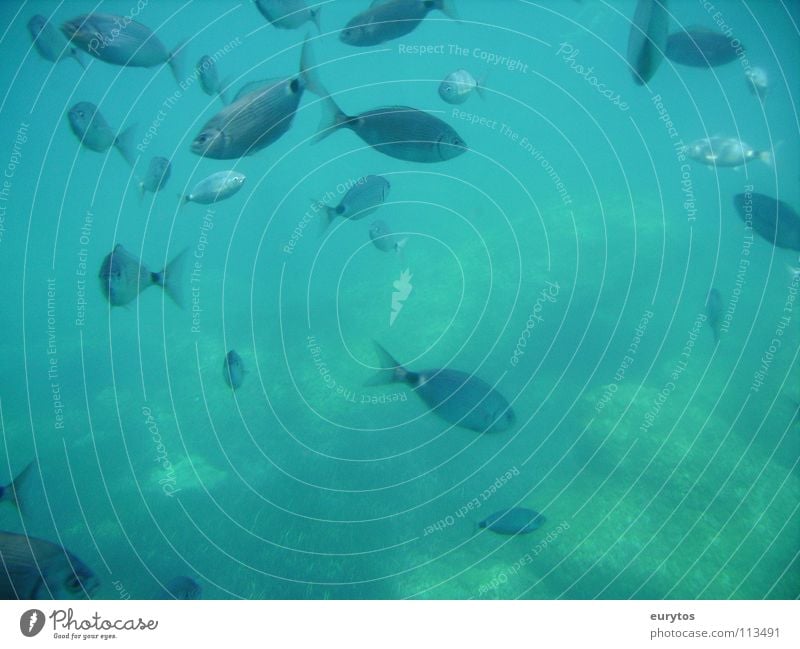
{"points": [[50, 43], [397, 131], [386, 20], [37, 569], [120, 41], [123, 277], [216, 187], [647, 39], [457, 397], [93, 131], [365, 196], [288, 14], [258, 118], [720, 151]]}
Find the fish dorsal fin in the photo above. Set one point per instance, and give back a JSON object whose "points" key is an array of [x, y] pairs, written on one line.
{"points": [[378, 3]]}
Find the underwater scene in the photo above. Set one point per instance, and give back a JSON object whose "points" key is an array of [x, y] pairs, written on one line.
{"points": [[429, 299]]}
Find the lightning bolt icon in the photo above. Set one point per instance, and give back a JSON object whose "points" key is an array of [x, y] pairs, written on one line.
{"points": [[32, 621]]}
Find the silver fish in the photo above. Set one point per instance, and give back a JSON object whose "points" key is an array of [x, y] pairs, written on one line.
{"points": [[517, 520], [383, 238], [757, 82], [158, 173], [386, 20], [233, 370], [724, 152], [259, 84], [457, 397], [10, 493], [179, 588], [288, 14], [216, 187], [123, 277], [397, 131], [647, 39], [206, 71], [120, 41], [50, 43], [37, 569], [458, 86], [714, 307], [93, 131], [365, 196], [259, 118]]}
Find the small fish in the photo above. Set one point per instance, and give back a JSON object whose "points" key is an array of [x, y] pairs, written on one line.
{"points": [[37, 569], [397, 131], [457, 397], [458, 86], [158, 173], [700, 47], [91, 128], [206, 71], [179, 588], [724, 152], [384, 239], [386, 20], [233, 370], [288, 14], [517, 520], [50, 43], [714, 308], [123, 277], [366, 195], [216, 187], [647, 39], [259, 118], [120, 41], [10, 493], [774, 220], [757, 82]]}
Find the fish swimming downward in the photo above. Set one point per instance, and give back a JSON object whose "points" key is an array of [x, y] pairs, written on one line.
{"points": [[647, 39], [233, 370], [123, 277], [459, 398], [91, 128]]}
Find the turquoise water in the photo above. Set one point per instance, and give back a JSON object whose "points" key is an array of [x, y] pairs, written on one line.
{"points": [[666, 467]]}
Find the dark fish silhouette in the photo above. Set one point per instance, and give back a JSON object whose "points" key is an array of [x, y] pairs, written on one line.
{"points": [[517, 520], [50, 43], [123, 277], [386, 20], [91, 128], [457, 397], [179, 588], [10, 493], [37, 569], [700, 47], [233, 370], [647, 39], [774, 220], [714, 308]]}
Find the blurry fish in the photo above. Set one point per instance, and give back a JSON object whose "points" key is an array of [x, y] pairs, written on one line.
{"points": [[757, 82], [158, 173], [384, 239], [397, 131], [206, 70], [50, 43], [179, 588], [259, 118], [233, 370], [365, 196], [724, 152], [700, 47], [10, 493], [37, 569], [120, 41], [216, 187], [386, 20], [288, 14], [517, 520], [647, 39], [457, 397], [123, 277], [774, 220], [93, 131], [458, 86], [714, 308]]}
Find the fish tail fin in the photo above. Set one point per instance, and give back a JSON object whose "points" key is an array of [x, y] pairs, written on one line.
{"points": [[126, 144], [390, 370], [315, 17], [12, 492], [308, 70], [171, 278], [176, 61], [332, 119], [447, 8], [766, 157]]}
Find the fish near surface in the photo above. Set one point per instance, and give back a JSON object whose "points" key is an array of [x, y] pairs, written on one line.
{"points": [[365, 196], [647, 39], [120, 41], [158, 173], [386, 20], [50, 43], [123, 277], [36, 569], [233, 370], [179, 588], [517, 520], [774, 220], [216, 187], [397, 131], [720, 151], [459, 398], [91, 128], [257, 119], [714, 308], [288, 14], [700, 47]]}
